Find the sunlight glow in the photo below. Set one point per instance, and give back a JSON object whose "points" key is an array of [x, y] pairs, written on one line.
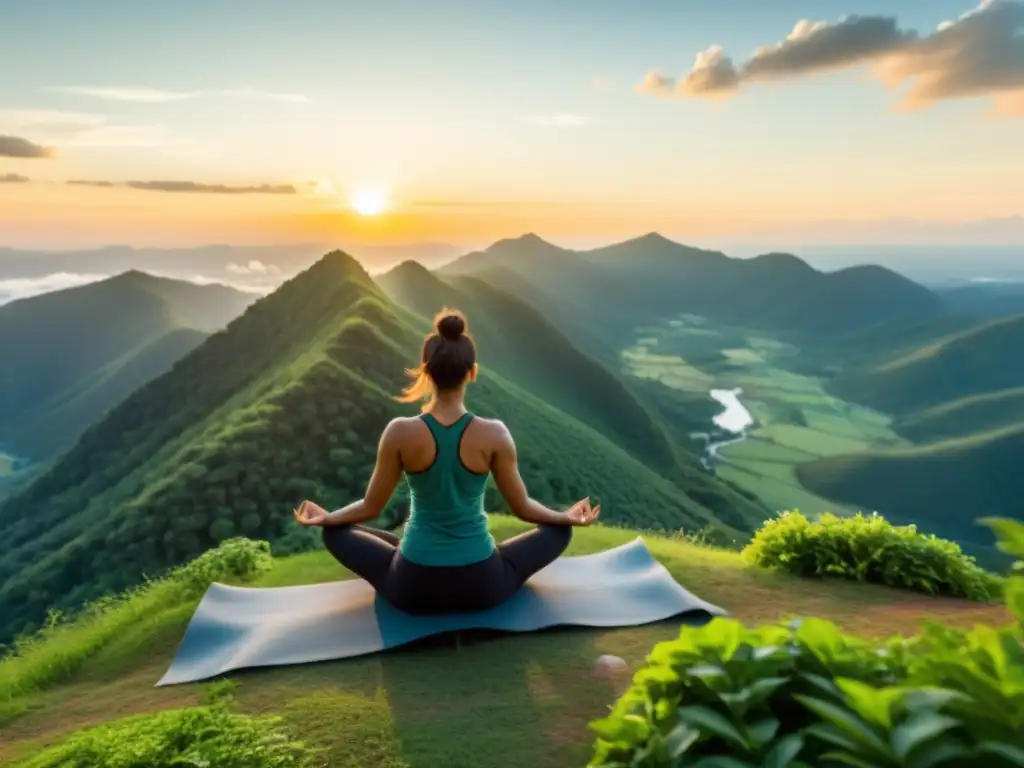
{"points": [[369, 202]]}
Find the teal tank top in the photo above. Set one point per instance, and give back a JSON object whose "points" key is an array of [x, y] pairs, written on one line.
{"points": [[447, 524]]}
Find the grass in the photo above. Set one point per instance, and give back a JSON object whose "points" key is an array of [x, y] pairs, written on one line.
{"points": [[519, 700]]}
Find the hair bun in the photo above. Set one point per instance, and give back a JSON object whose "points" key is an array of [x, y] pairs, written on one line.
{"points": [[451, 326]]}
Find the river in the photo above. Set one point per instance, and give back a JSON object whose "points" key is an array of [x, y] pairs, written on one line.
{"points": [[735, 420]]}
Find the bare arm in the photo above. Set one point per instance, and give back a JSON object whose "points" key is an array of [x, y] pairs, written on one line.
{"points": [[386, 474], [505, 467]]}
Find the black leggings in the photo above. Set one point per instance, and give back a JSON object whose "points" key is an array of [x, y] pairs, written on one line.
{"points": [[423, 589]]}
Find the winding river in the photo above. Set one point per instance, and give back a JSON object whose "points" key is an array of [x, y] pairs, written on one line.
{"points": [[735, 420]]}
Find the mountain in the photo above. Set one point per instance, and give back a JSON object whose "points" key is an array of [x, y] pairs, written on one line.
{"points": [[961, 418], [996, 299], [944, 486], [980, 360], [522, 345], [287, 402], [649, 279], [68, 356]]}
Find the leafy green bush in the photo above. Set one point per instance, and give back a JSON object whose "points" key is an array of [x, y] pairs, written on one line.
{"points": [[806, 694], [235, 559], [869, 548], [207, 735]]}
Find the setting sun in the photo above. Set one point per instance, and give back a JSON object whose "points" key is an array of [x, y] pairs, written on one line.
{"points": [[369, 202]]}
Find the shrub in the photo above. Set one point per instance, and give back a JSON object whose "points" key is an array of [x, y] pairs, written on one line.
{"points": [[806, 694], [207, 735], [869, 548], [234, 560]]}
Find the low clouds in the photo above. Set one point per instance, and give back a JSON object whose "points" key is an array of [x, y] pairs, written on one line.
{"points": [[979, 54], [13, 178], [192, 187], [252, 267], [15, 146], [24, 287], [148, 95]]}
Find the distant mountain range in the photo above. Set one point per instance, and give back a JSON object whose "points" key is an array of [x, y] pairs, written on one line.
{"points": [[68, 356]]}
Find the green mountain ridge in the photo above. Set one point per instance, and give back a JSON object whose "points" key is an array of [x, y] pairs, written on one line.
{"points": [[651, 279], [68, 356], [287, 402], [980, 359]]}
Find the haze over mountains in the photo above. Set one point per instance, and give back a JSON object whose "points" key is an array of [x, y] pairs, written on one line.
{"points": [[67, 356], [164, 440]]}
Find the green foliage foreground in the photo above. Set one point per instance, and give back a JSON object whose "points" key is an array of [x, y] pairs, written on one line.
{"points": [[805, 694], [208, 735], [870, 549]]}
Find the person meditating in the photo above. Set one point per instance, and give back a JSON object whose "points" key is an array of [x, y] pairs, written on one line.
{"points": [[446, 560]]}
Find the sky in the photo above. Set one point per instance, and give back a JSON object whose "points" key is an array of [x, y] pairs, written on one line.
{"points": [[259, 121]]}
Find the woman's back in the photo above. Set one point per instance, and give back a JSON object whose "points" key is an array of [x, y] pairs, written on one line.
{"points": [[446, 467]]}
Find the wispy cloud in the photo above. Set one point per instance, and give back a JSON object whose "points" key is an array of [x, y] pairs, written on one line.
{"points": [[13, 178], [602, 83], [77, 129], [979, 54], [15, 146], [149, 95], [560, 120], [191, 187]]}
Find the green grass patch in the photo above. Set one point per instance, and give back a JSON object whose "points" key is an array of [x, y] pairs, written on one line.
{"points": [[64, 645]]}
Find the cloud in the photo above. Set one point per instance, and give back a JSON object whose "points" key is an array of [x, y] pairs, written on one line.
{"points": [[22, 288], [602, 83], [191, 187], [148, 95], [560, 120], [14, 146], [77, 129], [713, 73], [252, 267], [979, 54], [13, 178], [815, 46]]}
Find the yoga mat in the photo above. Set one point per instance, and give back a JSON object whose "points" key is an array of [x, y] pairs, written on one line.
{"points": [[237, 627]]}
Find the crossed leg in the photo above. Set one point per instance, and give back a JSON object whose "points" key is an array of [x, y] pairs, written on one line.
{"points": [[532, 551], [367, 552]]}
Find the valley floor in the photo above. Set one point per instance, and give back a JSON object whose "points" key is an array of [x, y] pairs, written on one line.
{"points": [[519, 700], [796, 420]]}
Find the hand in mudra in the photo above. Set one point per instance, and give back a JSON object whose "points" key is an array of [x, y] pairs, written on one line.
{"points": [[310, 513], [581, 513]]}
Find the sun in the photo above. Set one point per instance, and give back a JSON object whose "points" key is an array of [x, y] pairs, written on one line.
{"points": [[369, 202]]}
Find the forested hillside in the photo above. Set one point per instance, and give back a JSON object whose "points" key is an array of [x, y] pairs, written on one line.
{"points": [[943, 487], [288, 402], [68, 356], [981, 359]]}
